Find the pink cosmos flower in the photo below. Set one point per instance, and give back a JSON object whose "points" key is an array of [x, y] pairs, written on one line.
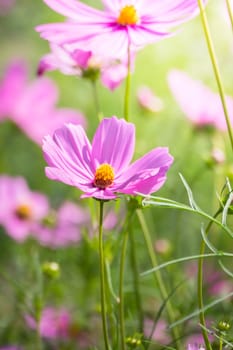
{"points": [[123, 23], [20, 208], [147, 100], [197, 101], [11, 88], [63, 227], [6, 6], [54, 323], [160, 334], [84, 63], [32, 106], [195, 347], [102, 170], [10, 348]]}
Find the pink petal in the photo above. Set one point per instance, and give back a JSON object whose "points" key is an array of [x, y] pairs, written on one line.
{"points": [[113, 143], [76, 10], [68, 154], [147, 174]]}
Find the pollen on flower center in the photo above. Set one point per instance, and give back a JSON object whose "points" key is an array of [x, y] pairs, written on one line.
{"points": [[104, 176], [23, 212], [128, 16]]}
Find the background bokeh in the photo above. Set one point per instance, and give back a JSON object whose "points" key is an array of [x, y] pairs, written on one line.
{"points": [[191, 149]]}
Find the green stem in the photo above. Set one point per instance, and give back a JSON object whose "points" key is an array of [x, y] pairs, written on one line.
{"points": [[127, 88], [96, 100], [215, 68], [158, 276], [220, 343], [230, 12], [121, 291], [200, 287], [102, 277], [135, 271], [39, 297]]}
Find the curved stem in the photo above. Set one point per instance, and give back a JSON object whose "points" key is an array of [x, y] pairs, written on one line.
{"points": [[121, 291], [127, 88], [158, 276], [229, 9], [215, 68], [200, 287], [102, 277]]}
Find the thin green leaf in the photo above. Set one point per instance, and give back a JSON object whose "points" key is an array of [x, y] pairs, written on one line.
{"points": [[206, 240], [225, 269], [196, 312], [186, 258], [192, 202]]}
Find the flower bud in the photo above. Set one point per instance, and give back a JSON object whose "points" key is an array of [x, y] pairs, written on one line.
{"points": [[51, 269]]}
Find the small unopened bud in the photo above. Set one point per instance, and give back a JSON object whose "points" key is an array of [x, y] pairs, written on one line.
{"points": [[223, 326], [162, 246], [51, 269], [134, 341]]}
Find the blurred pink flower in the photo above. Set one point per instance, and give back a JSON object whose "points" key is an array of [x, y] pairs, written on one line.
{"points": [[32, 106], [6, 6], [215, 281], [54, 323], [133, 23], [10, 348], [102, 170], [160, 334], [148, 101], [197, 101], [195, 347], [20, 208], [63, 227], [84, 63]]}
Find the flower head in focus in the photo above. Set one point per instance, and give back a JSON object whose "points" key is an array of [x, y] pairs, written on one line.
{"points": [[85, 64], [102, 169], [121, 24], [32, 106], [20, 208], [201, 105]]}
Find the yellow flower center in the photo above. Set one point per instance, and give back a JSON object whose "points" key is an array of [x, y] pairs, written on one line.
{"points": [[128, 16], [104, 176], [23, 212]]}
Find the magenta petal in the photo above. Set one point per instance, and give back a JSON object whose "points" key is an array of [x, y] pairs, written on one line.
{"points": [[68, 154], [113, 143], [147, 174], [11, 88], [75, 9]]}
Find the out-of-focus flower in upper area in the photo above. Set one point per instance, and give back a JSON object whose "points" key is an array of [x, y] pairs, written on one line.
{"points": [[202, 106], [32, 106], [102, 170], [6, 6], [85, 64], [122, 24], [148, 101], [62, 227], [159, 334], [20, 208]]}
